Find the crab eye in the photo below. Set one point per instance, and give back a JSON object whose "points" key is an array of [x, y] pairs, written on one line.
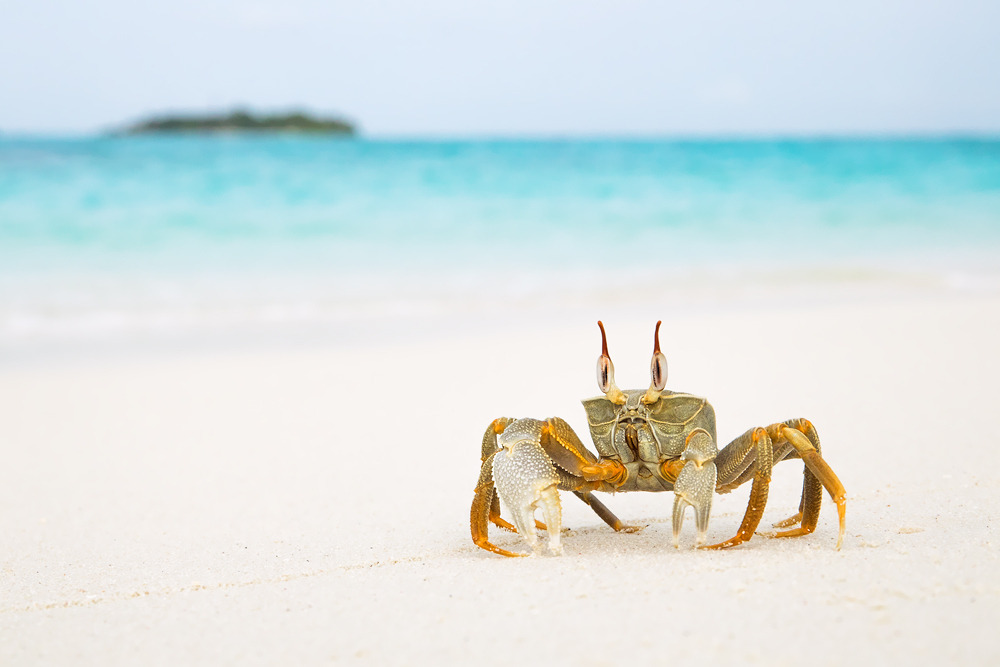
{"points": [[605, 369], [658, 371], [658, 366], [605, 373]]}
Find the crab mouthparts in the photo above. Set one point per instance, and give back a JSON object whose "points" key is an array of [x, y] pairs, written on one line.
{"points": [[632, 438]]}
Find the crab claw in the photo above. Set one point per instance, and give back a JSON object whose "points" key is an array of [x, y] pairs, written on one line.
{"points": [[525, 479], [695, 484]]}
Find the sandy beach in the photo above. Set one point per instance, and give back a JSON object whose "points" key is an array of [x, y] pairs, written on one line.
{"points": [[309, 504]]}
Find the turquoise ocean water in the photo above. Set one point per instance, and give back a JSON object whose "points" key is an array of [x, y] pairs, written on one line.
{"points": [[108, 236]]}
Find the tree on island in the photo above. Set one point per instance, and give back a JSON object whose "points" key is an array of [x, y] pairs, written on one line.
{"points": [[242, 121]]}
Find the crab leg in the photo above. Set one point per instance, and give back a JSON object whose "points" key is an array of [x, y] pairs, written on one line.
{"points": [[802, 435], [744, 457], [480, 514], [731, 463], [485, 504], [563, 446], [601, 510]]}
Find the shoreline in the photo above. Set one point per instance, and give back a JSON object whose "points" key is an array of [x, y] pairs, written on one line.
{"points": [[135, 329]]}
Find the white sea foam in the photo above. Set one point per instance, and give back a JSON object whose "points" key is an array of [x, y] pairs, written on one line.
{"points": [[103, 306]]}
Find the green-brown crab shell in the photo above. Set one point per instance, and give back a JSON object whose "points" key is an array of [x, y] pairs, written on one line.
{"points": [[662, 426]]}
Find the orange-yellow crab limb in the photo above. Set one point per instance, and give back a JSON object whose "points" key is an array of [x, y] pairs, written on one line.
{"points": [[823, 472], [563, 446], [609, 471], [479, 521], [731, 458], [754, 452], [485, 504]]}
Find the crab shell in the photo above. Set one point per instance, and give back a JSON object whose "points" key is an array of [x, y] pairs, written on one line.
{"points": [[642, 436]]}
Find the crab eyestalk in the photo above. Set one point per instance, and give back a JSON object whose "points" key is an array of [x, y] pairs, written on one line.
{"points": [[657, 370], [606, 372]]}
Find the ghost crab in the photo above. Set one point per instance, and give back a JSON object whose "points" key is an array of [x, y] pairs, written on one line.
{"points": [[647, 440]]}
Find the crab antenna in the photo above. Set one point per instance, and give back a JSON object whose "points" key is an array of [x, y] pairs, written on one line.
{"points": [[604, 340], [656, 337]]}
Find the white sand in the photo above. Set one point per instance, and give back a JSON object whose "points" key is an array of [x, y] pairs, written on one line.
{"points": [[310, 506]]}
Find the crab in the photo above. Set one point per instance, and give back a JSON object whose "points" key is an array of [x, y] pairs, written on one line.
{"points": [[647, 440]]}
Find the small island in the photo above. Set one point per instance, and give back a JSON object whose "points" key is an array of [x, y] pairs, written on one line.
{"points": [[240, 122]]}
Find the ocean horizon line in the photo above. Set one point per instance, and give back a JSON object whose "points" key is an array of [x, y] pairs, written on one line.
{"points": [[539, 137]]}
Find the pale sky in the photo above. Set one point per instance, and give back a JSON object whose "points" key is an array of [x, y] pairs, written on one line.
{"points": [[514, 67]]}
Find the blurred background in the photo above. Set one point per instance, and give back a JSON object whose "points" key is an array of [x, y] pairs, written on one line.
{"points": [[561, 159]]}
